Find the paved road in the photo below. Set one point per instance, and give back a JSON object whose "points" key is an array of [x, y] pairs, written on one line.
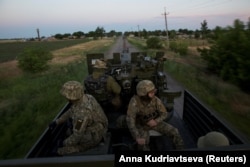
{"points": [[118, 47], [172, 84]]}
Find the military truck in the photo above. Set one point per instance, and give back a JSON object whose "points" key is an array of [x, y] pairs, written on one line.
{"points": [[128, 69]]}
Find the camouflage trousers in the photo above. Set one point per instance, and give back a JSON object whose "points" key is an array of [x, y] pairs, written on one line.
{"points": [[90, 139], [165, 129]]}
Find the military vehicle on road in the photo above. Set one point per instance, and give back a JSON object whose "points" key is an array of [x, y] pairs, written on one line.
{"points": [[128, 69]]}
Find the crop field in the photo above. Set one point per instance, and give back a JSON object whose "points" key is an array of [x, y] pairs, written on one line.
{"points": [[29, 102], [10, 50]]}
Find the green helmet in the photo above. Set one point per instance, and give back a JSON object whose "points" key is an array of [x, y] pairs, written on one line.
{"points": [[144, 86], [212, 139], [72, 90]]}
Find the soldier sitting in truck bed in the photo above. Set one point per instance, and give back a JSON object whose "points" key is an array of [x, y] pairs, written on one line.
{"points": [[103, 87]]}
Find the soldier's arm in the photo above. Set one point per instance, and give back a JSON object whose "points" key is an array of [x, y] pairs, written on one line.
{"points": [[161, 109], [64, 117], [99, 113], [113, 86], [131, 118], [79, 128]]}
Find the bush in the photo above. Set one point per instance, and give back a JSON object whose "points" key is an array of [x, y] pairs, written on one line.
{"points": [[154, 43], [180, 47], [34, 60]]}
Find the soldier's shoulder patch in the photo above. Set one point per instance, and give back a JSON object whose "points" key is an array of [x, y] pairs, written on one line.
{"points": [[78, 124]]}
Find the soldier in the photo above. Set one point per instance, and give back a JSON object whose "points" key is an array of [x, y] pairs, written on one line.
{"points": [[88, 119], [146, 112], [103, 87]]}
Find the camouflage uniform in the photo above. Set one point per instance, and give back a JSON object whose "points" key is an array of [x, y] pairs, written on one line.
{"points": [[103, 87], [140, 112], [88, 119]]}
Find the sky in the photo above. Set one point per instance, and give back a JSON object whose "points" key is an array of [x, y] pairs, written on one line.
{"points": [[22, 18]]}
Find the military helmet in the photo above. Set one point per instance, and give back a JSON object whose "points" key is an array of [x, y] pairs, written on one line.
{"points": [[72, 90], [100, 64], [212, 139], [144, 86]]}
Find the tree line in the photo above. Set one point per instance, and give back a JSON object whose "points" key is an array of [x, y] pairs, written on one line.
{"points": [[98, 33]]}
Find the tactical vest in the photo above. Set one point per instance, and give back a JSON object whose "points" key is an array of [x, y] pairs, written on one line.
{"points": [[97, 88], [146, 113]]}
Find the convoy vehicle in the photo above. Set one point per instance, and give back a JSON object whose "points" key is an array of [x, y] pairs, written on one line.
{"points": [[128, 69]]}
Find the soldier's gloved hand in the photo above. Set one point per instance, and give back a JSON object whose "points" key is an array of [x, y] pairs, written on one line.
{"points": [[116, 101], [52, 125], [152, 123]]}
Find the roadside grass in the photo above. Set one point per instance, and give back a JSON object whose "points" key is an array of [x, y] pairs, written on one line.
{"points": [[227, 100], [32, 102], [28, 103]]}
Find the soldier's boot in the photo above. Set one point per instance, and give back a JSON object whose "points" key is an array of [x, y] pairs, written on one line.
{"points": [[144, 147], [179, 144], [67, 150]]}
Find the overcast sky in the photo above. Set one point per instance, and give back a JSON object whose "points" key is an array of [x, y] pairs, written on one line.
{"points": [[21, 18]]}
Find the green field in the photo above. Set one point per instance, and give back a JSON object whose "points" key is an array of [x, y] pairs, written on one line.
{"points": [[28, 103], [10, 50]]}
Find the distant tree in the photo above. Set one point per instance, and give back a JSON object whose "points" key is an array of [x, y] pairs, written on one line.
{"points": [[66, 35], [197, 34], [78, 34], [204, 29], [99, 32], [59, 36], [90, 34], [183, 31], [144, 33], [34, 60], [111, 33]]}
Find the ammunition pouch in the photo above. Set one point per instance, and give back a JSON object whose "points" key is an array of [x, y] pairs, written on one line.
{"points": [[98, 88]]}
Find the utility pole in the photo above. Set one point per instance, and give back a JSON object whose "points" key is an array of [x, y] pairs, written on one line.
{"points": [[139, 31], [38, 34], [166, 23]]}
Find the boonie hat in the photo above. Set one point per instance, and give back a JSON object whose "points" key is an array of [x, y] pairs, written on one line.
{"points": [[99, 64]]}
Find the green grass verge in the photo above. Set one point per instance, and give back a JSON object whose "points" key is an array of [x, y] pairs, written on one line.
{"points": [[213, 92], [32, 101]]}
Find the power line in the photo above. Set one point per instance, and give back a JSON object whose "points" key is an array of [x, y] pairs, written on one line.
{"points": [[202, 5]]}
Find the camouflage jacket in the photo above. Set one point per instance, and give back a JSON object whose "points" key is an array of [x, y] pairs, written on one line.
{"points": [[86, 115], [102, 87], [137, 111]]}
